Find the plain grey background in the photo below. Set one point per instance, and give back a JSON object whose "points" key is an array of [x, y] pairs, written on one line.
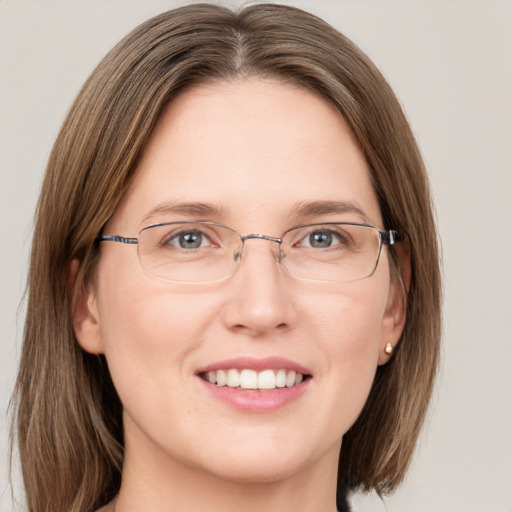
{"points": [[450, 63]]}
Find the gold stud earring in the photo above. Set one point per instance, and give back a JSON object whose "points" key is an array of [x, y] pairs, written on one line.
{"points": [[389, 348]]}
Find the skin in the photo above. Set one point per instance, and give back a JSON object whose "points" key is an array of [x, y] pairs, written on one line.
{"points": [[253, 148]]}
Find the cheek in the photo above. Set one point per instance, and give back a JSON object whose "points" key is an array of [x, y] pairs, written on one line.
{"points": [[150, 340], [348, 322], [146, 328], [347, 342]]}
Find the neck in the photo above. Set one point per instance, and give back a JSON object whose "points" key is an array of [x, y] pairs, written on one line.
{"points": [[220, 496]]}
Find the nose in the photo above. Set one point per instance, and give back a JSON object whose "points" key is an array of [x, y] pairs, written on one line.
{"points": [[260, 299]]}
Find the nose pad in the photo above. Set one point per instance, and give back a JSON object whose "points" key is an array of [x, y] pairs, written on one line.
{"points": [[280, 255]]}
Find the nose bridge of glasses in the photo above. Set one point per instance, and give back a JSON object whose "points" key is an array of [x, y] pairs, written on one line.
{"points": [[261, 237], [257, 236]]}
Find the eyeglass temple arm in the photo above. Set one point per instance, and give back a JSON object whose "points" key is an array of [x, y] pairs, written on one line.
{"points": [[391, 237], [117, 238]]}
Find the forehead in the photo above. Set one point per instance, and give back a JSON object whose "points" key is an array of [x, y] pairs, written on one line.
{"points": [[253, 149]]}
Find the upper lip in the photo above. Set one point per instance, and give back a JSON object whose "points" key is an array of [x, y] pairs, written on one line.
{"points": [[256, 364]]}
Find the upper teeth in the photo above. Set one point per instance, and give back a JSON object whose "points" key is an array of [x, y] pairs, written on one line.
{"points": [[250, 379]]}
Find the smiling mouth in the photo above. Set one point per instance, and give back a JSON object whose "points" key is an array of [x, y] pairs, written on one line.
{"points": [[254, 380]]}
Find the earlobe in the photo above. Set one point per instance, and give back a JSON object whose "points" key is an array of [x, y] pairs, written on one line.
{"points": [[393, 322], [395, 315], [85, 313]]}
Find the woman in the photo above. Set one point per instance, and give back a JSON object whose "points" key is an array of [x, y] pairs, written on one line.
{"points": [[234, 284]]}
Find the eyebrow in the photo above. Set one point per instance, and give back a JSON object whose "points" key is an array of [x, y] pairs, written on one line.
{"points": [[304, 210], [312, 209], [204, 210]]}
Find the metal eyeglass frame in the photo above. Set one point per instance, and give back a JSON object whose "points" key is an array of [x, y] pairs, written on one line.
{"points": [[389, 237]]}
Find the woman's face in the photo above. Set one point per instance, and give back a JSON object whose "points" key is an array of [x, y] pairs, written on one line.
{"points": [[257, 154]]}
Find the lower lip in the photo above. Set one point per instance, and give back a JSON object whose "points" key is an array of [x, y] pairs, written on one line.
{"points": [[253, 400]]}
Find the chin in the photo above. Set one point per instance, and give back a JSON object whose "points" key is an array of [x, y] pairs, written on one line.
{"points": [[243, 471], [265, 463]]}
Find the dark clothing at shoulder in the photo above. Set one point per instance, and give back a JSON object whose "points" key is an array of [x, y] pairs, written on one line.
{"points": [[342, 503]]}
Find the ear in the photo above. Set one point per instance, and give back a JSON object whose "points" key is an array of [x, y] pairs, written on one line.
{"points": [[85, 313], [395, 314]]}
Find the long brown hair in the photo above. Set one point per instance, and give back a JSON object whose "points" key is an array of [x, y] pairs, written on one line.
{"points": [[68, 422]]}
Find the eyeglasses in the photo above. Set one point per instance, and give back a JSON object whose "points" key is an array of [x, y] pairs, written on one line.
{"points": [[201, 252]]}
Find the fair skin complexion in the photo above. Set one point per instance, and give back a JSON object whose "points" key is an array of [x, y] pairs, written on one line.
{"points": [[254, 150]]}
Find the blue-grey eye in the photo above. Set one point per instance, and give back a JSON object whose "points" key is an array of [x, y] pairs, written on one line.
{"points": [[189, 240], [321, 239]]}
